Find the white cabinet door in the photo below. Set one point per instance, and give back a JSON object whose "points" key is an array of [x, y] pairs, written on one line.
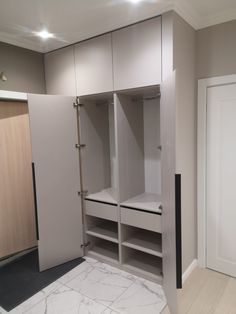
{"points": [[93, 61], [60, 72], [53, 125], [221, 177], [168, 117], [137, 55]]}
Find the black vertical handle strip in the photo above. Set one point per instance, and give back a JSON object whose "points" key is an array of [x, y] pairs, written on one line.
{"points": [[178, 231], [35, 201]]}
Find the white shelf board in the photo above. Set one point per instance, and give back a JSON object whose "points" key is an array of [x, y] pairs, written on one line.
{"points": [[105, 196], [107, 251], [146, 201], [145, 264], [104, 231], [145, 241]]}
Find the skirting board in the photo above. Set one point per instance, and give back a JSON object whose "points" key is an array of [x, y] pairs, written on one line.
{"points": [[15, 256], [189, 270]]}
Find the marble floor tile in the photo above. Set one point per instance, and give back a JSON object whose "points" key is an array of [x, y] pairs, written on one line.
{"points": [[67, 301], [109, 311], [88, 264], [142, 297], [102, 283]]}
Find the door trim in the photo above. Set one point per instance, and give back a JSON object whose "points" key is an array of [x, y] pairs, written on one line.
{"points": [[203, 85]]}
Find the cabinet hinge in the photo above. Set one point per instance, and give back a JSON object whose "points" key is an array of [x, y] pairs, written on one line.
{"points": [[77, 104], [160, 207], [160, 148], [79, 146], [83, 193], [85, 244]]}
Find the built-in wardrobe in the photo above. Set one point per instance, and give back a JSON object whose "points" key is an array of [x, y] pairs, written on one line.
{"points": [[126, 148], [104, 155]]}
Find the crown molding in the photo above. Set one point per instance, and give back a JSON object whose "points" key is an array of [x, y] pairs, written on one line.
{"points": [[185, 10], [222, 17]]}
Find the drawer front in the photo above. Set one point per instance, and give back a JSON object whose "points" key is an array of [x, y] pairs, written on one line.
{"points": [[140, 219], [101, 210]]}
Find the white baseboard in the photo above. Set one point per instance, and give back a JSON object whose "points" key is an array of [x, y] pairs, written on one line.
{"points": [[189, 270]]}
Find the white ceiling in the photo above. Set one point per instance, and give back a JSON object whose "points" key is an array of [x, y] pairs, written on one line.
{"points": [[74, 20]]}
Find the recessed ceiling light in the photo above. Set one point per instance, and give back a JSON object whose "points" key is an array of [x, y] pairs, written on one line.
{"points": [[44, 34], [135, 1]]}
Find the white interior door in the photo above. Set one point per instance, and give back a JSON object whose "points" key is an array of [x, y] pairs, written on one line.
{"points": [[221, 178], [53, 127]]}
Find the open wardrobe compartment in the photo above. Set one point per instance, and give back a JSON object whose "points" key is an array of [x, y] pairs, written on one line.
{"points": [[106, 152]]}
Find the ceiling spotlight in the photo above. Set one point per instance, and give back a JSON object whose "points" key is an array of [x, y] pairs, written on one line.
{"points": [[135, 1], [44, 34]]}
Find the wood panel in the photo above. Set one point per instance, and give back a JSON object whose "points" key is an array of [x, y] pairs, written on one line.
{"points": [[17, 216]]}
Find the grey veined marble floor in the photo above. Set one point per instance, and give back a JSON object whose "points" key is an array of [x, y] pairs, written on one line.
{"points": [[96, 288]]}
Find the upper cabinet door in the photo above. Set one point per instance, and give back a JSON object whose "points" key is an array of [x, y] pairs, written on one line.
{"points": [[60, 72], [93, 61], [137, 55]]}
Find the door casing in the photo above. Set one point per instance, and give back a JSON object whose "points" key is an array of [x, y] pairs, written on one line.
{"points": [[203, 85]]}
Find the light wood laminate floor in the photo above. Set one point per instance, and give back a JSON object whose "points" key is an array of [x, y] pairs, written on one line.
{"points": [[207, 292]]}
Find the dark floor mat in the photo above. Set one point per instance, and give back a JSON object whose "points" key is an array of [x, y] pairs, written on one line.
{"points": [[21, 279]]}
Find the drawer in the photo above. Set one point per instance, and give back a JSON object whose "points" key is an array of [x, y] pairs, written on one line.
{"points": [[144, 220], [101, 210]]}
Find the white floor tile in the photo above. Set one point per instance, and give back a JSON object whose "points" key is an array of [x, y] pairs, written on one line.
{"points": [[142, 297], [109, 311], [83, 267], [67, 301], [102, 283]]}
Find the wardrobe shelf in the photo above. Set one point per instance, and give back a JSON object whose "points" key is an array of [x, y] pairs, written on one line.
{"points": [[145, 241], [105, 196], [104, 231], [146, 201], [144, 264], [106, 251]]}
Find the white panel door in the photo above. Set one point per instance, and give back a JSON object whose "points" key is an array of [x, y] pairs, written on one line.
{"points": [[93, 62], [221, 178], [137, 55], [168, 116], [53, 125]]}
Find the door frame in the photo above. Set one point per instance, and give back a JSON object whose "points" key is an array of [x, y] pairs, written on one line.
{"points": [[203, 85]]}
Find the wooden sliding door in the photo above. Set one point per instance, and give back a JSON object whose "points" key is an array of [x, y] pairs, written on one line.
{"points": [[17, 215]]}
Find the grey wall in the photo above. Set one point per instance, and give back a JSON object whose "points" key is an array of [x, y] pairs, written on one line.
{"points": [[24, 69], [216, 50]]}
